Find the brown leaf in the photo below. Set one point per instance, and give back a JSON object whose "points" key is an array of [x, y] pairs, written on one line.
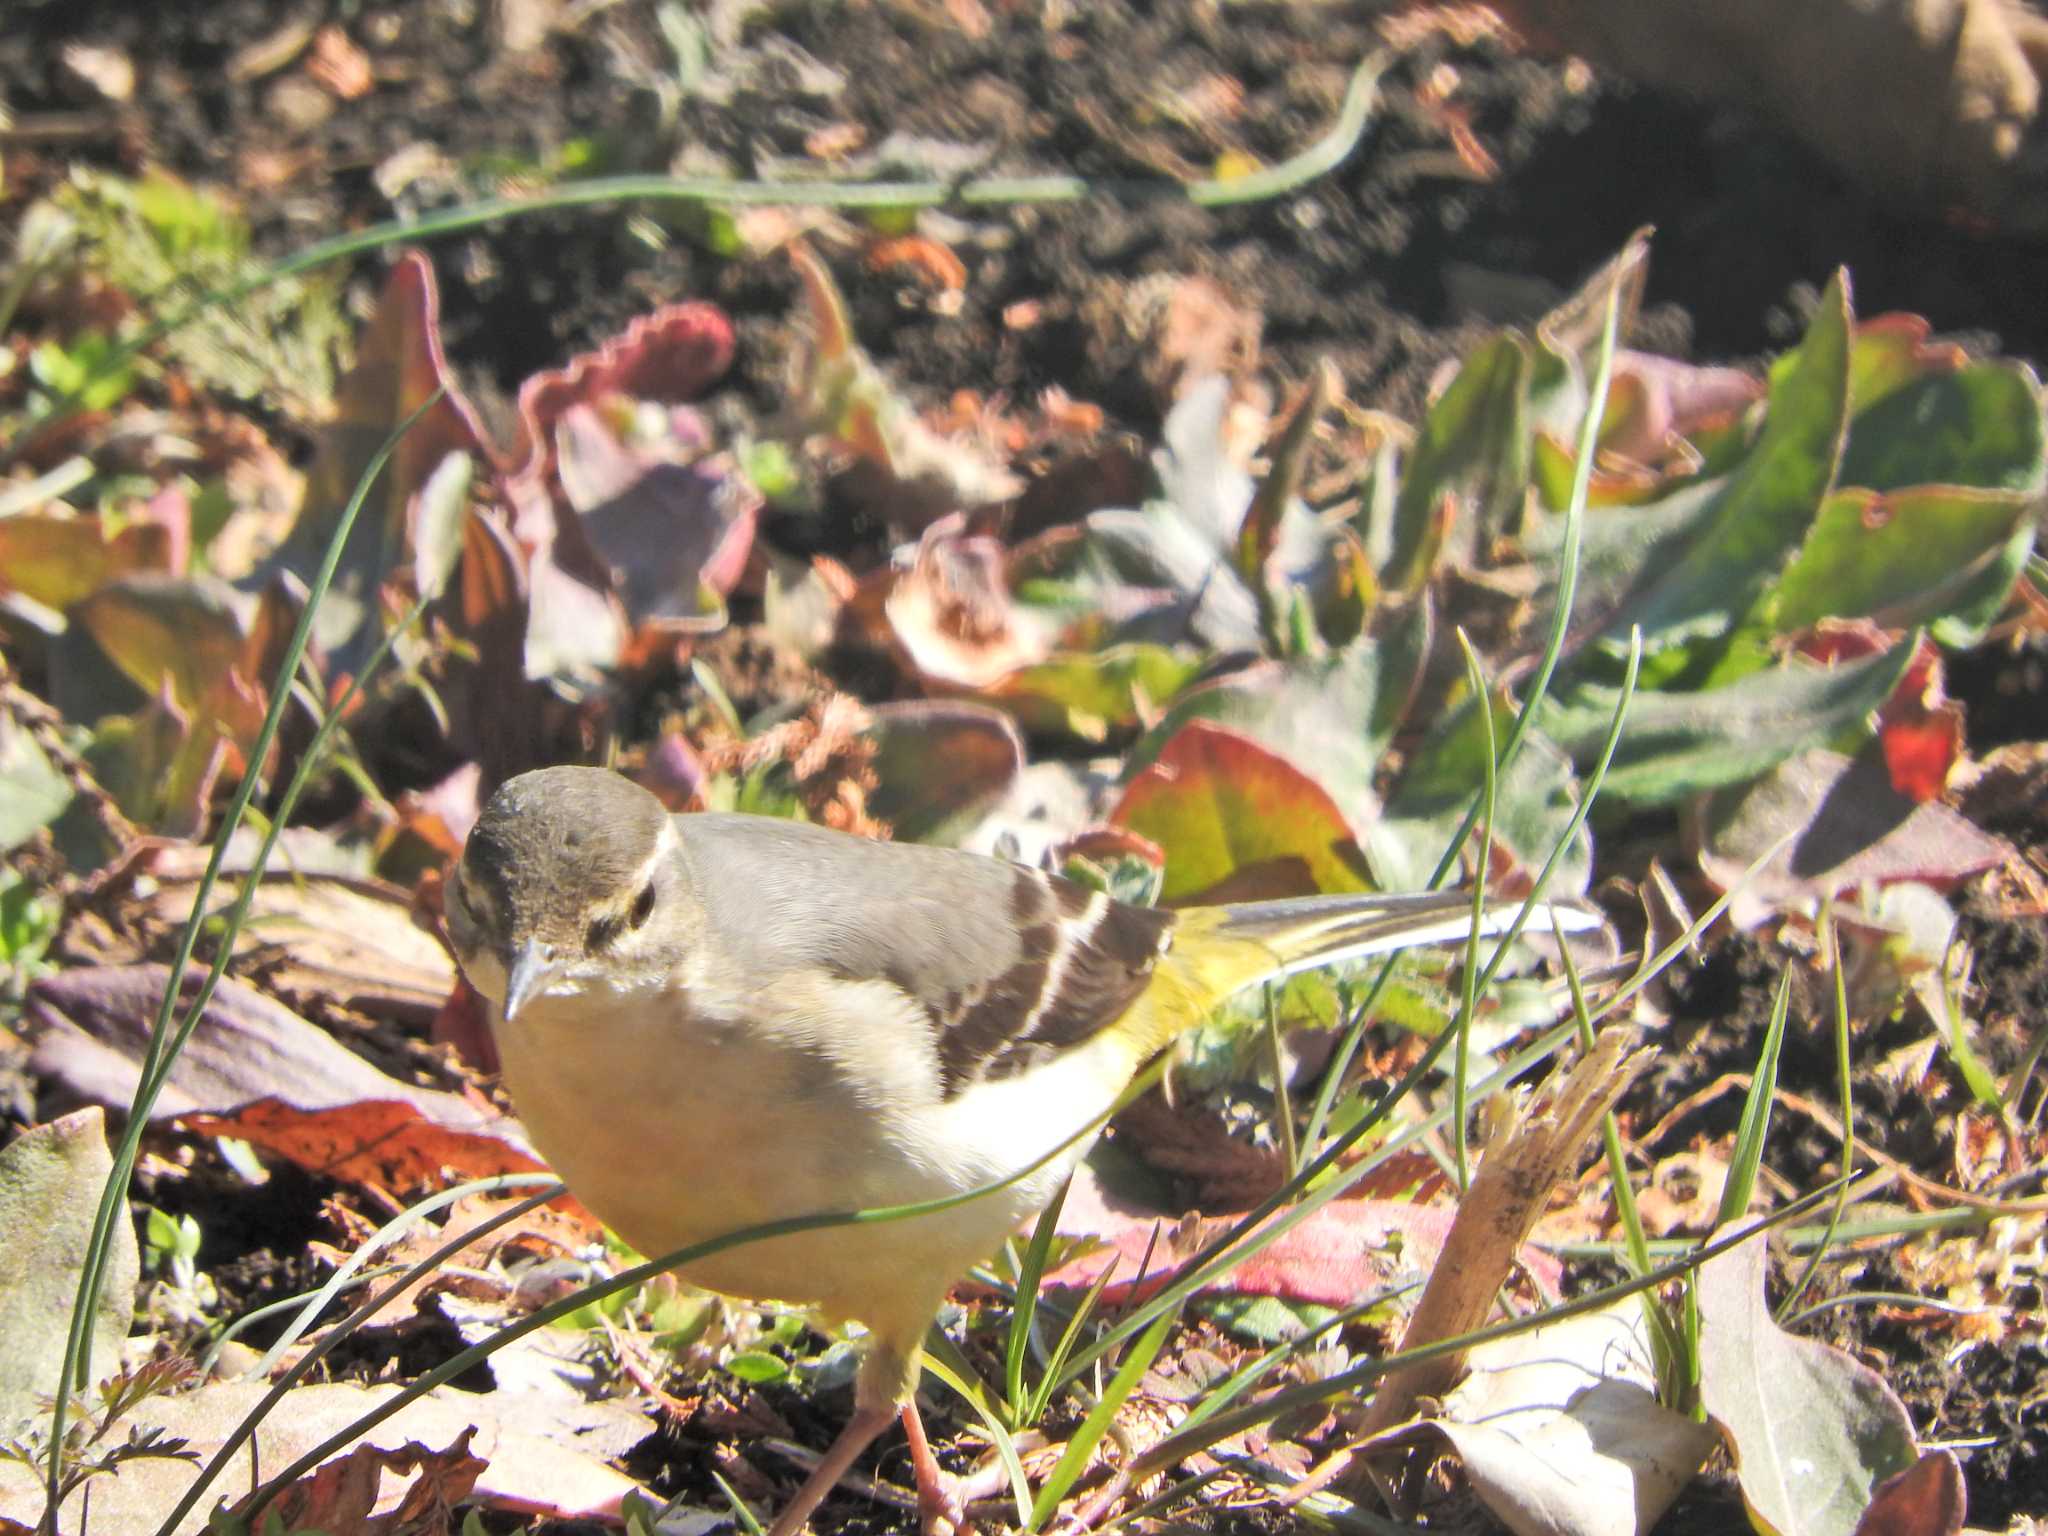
{"points": [[950, 614], [521, 1472], [254, 1069], [381, 1144], [317, 937], [342, 1497], [1853, 827], [1927, 1499], [90, 1027]]}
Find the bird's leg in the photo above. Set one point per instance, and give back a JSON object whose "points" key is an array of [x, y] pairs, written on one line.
{"points": [[939, 1505], [868, 1421]]}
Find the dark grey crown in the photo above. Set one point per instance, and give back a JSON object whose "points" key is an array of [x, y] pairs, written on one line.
{"points": [[551, 843]]}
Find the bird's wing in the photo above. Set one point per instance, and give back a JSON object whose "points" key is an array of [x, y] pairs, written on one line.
{"points": [[1008, 965]]}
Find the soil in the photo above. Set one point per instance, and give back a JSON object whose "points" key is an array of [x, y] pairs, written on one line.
{"points": [[1390, 266]]}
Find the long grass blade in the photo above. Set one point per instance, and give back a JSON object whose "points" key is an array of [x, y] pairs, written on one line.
{"points": [[165, 1041], [1325, 154], [1074, 1460], [1024, 1305], [1468, 1002], [1532, 698], [951, 1368], [1751, 1130]]}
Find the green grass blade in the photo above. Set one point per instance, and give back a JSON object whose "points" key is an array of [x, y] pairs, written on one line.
{"points": [[950, 1371], [1468, 1002], [1024, 1308], [1532, 699], [1844, 1078], [1748, 1155], [742, 1515], [1055, 1364], [164, 1041], [1074, 1461]]}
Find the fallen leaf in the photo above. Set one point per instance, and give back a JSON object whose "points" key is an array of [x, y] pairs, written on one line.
{"points": [[1927, 1499], [51, 1179], [346, 1496], [940, 766], [254, 1069], [315, 936], [381, 1144], [1343, 1253], [950, 613], [522, 1473], [1812, 1429], [1560, 1432], [1852, 828]]}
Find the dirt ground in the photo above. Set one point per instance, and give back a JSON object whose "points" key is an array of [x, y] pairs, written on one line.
{"points": [[1390, 267]]}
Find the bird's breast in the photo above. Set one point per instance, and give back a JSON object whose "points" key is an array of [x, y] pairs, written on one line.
{"points": [[679, 1119]]}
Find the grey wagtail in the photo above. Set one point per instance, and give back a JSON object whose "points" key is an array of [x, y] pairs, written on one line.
{"points": [[712, 1021]]}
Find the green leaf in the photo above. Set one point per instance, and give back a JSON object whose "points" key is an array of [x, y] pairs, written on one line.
{"points": [[1265, 1319], [1979, 426], [757, 1366], [1762, 511], [32, 792], [1678, 744], [1474, 434], [88, 368], [1905, 558], [27, 922], [1090, 695], [1225, 808]]}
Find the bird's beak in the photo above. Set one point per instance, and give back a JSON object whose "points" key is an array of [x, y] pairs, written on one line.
{"points": [[532, 968]]}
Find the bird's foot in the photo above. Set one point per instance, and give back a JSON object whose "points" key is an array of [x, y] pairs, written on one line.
{"points": [[941, 1510], [940, 1506]]}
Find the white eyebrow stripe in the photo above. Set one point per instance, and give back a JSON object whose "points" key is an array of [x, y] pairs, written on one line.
{"points": [[1074, 934]]}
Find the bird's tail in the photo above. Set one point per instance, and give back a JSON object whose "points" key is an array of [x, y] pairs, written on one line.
{"points": [[1218, 951]]}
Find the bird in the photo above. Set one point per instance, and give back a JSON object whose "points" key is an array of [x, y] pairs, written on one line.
{"points": [[708, 1021]]}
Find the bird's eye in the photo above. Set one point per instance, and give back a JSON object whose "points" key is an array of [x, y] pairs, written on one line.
{"points": [[643, 906], [601, 932]]}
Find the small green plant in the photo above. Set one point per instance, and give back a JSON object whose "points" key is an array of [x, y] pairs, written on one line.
{"points": [[182, 1297], [87, 1450], [28, 924]]}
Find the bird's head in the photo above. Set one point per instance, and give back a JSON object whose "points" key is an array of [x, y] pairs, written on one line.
{"points": [[571, 881]]}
